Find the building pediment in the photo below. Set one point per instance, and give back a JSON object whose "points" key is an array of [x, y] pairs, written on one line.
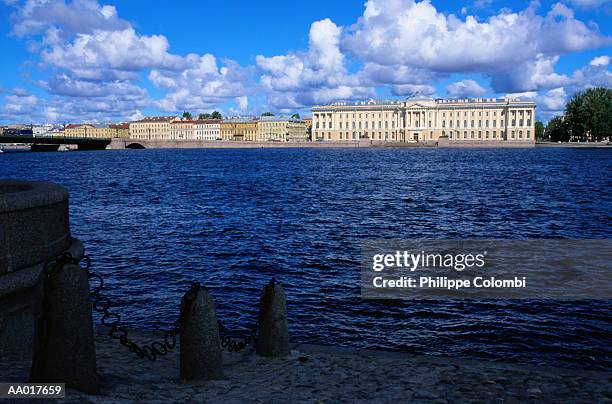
{"points": [[417, 105]]}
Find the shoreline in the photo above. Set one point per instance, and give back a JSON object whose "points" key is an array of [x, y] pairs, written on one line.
{"points": [[316, 373]]}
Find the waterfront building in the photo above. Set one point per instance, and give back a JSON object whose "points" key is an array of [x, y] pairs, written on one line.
{"points": [[280, 129], [182, 130], [121, 130], [458, 120], [308, 122], [42, 130], [242, 129], [207, 129], [151, 128], [89, 130]]}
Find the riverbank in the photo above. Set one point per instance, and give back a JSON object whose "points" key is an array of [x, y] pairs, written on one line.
{"points": [[328, 374], [575, 144]]}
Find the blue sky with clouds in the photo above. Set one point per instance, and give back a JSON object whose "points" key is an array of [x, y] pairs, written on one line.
{"points": [[89, 60]]}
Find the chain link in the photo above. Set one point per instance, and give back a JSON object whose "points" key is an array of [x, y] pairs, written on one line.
{"points": [[231, 341]]}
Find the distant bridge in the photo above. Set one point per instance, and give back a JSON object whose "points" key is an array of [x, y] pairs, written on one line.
{"points": [[53, 143]]}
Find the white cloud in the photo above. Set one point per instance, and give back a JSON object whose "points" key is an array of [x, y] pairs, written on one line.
{"points": [[417, 35], [243, 102], [600, 61], [465, 89], [553, 100], [316, 76], [413, 90], [19, 104], [589, 3]]}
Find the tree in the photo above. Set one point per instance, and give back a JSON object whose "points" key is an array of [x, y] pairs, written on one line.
{"points": [[556, 130], [588, 115], [295, 116], [187, 115], [267, 114], [216, 115], [539, 130], [204, 116]]}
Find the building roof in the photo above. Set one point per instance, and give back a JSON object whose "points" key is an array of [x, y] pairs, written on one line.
{"points": [[206, 121], [430, 101], [157, 119]]}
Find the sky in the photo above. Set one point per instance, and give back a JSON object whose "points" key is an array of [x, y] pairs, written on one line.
{"points": [[100, 61]]}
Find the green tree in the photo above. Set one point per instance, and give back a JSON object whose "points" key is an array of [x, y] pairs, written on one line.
{"points": [[295, 116], [216, 115], [539, 130], [187, 115], [557, 130], [205, 116], [267, 114], [588, 115]]}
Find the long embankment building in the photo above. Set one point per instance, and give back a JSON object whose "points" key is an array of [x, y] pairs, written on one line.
{"points": [[480, 120]]}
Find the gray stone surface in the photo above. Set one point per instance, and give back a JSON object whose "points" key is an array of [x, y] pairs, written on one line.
{"points": [[315, 374], [273, 336], [67, 353], [201, 356], [34, 223], [20, 300]]}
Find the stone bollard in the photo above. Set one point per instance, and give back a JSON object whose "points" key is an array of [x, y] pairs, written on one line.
{"points": [[201, 356], [273, 336], [64, 352]]}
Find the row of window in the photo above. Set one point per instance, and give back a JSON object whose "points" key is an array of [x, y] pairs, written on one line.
{"points": [[358, 125], [457, 135]]}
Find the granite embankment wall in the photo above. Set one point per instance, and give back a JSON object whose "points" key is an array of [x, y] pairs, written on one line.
{"points": [[119, 144]]}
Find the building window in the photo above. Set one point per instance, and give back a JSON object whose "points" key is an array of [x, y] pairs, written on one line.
{"points": [[465, 134], [465, 123], [528, 122], [479, 134], [520, 134], [486, 134], [472, 123], [528, 134], [472, 135]]}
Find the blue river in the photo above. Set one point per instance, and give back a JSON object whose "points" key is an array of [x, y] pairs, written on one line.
{"points": [[155, 220]]}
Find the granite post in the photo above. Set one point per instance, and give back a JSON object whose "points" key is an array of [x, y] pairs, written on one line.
{"points": [[200, 355], [64, 351], [273, 336]]}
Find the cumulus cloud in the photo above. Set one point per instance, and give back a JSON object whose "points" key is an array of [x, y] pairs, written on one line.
{"points": [[554, 100], [413, 90], [589, 3], [417, 35], [318, 75], [99, 58], [94, 62], [465, 89]]}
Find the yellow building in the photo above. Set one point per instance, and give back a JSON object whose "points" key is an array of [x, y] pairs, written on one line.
{"points": [[474, 120], [244, 129], [96, 131], [308, 123], [280, 129], [152, 128]]}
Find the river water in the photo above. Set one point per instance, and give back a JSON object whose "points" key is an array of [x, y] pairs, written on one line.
{"points": [[155, 220]]}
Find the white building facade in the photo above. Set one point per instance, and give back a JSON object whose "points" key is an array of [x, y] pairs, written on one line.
{"points": [[477, 120], [207, 129]]}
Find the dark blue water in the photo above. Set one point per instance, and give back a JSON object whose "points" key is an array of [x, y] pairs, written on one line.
{"points": [[154, 220]]}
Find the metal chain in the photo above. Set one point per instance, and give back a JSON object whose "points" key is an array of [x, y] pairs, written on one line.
{"points": [[232, 341], [151, 351]]}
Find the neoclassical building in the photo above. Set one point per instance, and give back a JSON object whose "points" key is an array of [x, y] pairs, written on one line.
{"points": [[281, 129], [459, 120]]}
